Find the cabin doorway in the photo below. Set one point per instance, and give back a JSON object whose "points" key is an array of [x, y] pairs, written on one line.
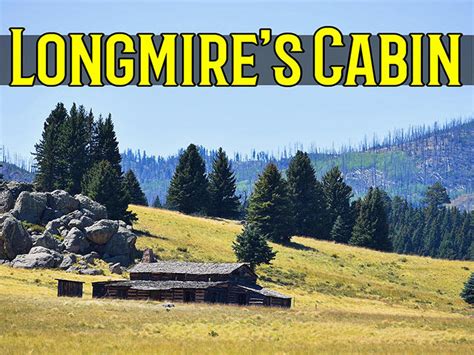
{"points": [[189, 296], [242, 299]]}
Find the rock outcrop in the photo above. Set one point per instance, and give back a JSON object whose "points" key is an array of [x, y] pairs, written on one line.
{"points": [[76, 229]]}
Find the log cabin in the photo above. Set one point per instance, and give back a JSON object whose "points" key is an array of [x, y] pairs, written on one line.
{"points": [[227, 283]]}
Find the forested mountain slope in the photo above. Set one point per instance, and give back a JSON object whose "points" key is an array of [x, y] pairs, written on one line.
{"points": [[403, 163]]}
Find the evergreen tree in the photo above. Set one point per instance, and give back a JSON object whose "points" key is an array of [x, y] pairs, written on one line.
{"points": [[104, 185], [436, 195], [74, 146], [188, 191], [270, 206], [222, 199], [157, 202], [135, 193], [339, 230], [306, 196], [49, 175], [251, 247], [105, 144], [337, 195], [371, 229], [467, 293]]}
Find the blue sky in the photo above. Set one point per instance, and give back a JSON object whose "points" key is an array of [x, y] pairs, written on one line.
{"points": [[162, 120]]}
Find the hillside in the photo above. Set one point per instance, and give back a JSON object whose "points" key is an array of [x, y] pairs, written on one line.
{"points": [[13, 172], [403, 163], [346, 300]]}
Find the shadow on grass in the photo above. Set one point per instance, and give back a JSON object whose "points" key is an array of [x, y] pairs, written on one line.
{"points": [[299, 246], [145, 233]]}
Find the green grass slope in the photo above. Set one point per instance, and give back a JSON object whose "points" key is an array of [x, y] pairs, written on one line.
{"points": [[346, 300]]}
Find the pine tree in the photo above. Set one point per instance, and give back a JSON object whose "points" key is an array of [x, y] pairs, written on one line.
{"points": [[306, 196], [74, 149], [270, 206], [339, 230], [104, 185], [371, 228], [105, 144], [188, 191], [222, 199], [337, 195], [157, 202], [135, 193], [251, 247], [467, 293], [49, 175], [436, 195]]}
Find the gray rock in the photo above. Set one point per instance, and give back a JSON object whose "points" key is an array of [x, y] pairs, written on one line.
{"points": [[53, 227], [7, 202], [75, 223], [116, 269], [36, 260], [91, 257], [63, 202], [14, 239], [86, 221], [101, 231], [121, 244], [97, 211], [48, 215], [16, 188], [30, 206], [68, 261], [58, 257], [48, 241], [90, 271], [5, 262], [123, 260], [76, 242]]}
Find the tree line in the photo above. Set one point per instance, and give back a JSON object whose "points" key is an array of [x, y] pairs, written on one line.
{"points": [[300, 204], [80, 154]]}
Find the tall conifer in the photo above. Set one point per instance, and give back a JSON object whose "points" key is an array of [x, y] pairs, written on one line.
{"points": [[270, 206], [306, 196], [222, 199], [132, 186], [188, 191], [104, 185], [337, 195], [47, 151]]}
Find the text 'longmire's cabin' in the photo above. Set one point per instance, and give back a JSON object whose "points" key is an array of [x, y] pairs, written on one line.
{"points": [[229, 283]]}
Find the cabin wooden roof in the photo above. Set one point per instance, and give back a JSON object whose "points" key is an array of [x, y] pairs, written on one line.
{"points": [[263, 291], [180, 267], [164, 285]]}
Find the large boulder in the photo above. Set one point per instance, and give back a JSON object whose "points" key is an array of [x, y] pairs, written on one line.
{"points": [[46, 240], [68, 261], [38, 257], [95, 210], [14, 239], [30, 206], [121, 247], [62, 202], [101, 231], [76, 242], [55, 226], [7, 202], [58, 257]]}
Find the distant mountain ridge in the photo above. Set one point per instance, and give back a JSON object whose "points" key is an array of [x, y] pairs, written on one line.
{"points": [[404, 163]]}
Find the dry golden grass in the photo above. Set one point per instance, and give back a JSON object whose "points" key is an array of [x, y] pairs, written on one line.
{"points": [[346, 300]]}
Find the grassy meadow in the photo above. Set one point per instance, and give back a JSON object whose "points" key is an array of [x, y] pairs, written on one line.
{"points": [[347, 299]]}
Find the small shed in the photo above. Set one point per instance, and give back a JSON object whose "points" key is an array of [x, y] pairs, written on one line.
{"points": [[69, 288]]}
